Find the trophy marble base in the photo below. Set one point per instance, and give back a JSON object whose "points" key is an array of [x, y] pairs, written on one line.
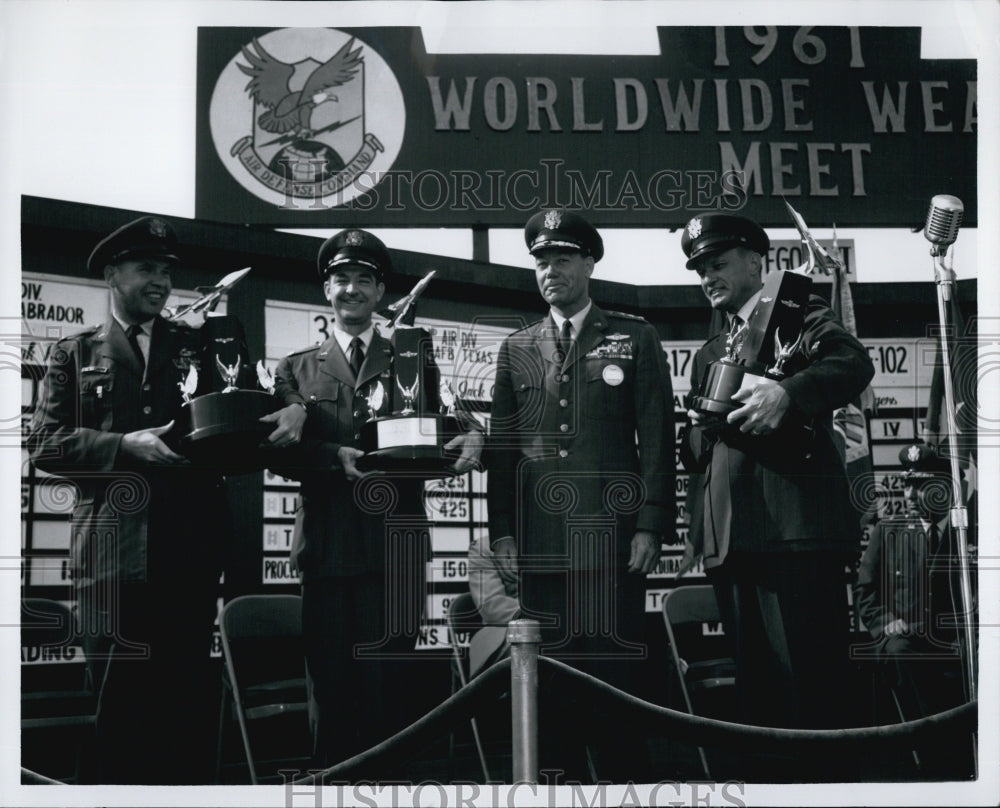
{"points": [[222, 430], [410, 443], [723, 380]]}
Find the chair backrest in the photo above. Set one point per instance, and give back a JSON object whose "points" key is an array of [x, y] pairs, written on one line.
{"points": [[261, 616], [463, 616], [686, 610], [691, 604], [262, 638]]}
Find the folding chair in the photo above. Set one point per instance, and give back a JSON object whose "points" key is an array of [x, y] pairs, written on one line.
{"points": [[463, 617], [264, 675], [59, 697], [699, 672]]}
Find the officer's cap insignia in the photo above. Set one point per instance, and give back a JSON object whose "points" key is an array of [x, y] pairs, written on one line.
{"points": [[913, 454], [553, 219], [158, 228], [354, 238], [694, 227]]}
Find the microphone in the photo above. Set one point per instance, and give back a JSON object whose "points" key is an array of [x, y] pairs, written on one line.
{"points": [[943, 220]]}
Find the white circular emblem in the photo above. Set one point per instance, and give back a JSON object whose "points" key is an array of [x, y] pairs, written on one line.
{"points": [[694, 228], [613, 375], [305, 114]]}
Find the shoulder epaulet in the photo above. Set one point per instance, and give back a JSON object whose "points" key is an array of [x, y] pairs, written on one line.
{"points": [[529, 325], [625, 316], [303, 350], [89, 331]]}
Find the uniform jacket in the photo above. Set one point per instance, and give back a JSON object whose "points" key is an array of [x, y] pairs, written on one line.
{"points": [[903, 574], [563, 452], [340, 526], [787, 490], [92, 394]]}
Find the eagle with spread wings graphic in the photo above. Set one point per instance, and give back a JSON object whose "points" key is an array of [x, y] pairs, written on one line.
{"points": [[288, 110]]}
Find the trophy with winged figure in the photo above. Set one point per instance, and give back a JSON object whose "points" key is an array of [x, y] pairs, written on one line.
{"points": [[421, 417]]}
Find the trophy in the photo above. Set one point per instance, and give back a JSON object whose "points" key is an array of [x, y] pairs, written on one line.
{"points": [[418, 422], [769, 338], [219, 423]]}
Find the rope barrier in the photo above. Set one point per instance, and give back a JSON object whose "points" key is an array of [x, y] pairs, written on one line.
{"points": [[489, 684], [701, 730], [698, 730]]}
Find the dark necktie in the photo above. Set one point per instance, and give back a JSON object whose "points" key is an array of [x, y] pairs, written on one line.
{"points": [[565, 339], [132, 332], [734, 342], [357, 355]]}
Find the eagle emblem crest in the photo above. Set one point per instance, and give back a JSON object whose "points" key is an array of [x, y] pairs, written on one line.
{"points": [[694, 228], [290, 110], [553, 219]]}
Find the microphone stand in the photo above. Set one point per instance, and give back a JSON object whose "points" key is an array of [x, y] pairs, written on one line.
{"points": [[944, 278]]}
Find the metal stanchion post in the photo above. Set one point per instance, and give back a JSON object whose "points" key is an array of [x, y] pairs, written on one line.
{"points": [[524, 636]]}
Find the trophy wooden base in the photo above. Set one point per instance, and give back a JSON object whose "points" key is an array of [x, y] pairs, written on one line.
{"points": [[409, 443], [223, 431]]}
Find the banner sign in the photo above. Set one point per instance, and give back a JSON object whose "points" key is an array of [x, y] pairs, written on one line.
{"points": [[329, 127]]}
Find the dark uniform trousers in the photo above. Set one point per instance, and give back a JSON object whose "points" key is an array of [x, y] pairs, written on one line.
{"points": [[361, 548], [146, 543], [580, 457]]}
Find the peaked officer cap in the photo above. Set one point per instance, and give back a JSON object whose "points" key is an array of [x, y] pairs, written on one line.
{"points": [[147, 237], [562, 229], [921, 462], [354, 247], [718, 232]]}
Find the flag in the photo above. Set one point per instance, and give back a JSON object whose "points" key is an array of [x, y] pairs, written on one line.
{"points": [[963, 356], [850, 422]]}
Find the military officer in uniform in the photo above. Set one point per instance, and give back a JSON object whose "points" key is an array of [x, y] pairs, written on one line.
{"points": [[361, 540], [907, 588], [581, 479], [148, 528], [777, 528]]}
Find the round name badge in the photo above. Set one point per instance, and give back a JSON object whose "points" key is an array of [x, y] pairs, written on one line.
{"points": [[613, 375]]}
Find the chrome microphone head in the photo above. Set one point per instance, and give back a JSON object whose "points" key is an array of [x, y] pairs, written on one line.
{"points": [[944, 217]]}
